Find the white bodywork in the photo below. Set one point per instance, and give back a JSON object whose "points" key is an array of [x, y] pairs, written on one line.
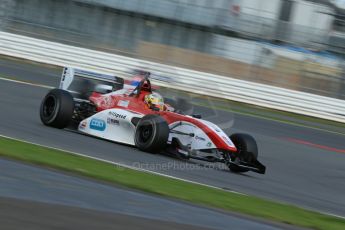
{"points": [[116, 125], [199, 139], [219, 132], [111, 124]]}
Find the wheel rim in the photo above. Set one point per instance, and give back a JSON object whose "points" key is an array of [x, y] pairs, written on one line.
{"points": [[145, 133], [49, 106]]}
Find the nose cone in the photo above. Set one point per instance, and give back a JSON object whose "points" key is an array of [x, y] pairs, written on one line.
{"points": [[229, 144], [219, 137]]}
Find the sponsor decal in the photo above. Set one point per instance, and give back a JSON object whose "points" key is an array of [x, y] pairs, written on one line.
{"points": [[209, 144], [123, 103], [117, 115], [112, 121], [83, 125], [200, 138], [97, 124]]}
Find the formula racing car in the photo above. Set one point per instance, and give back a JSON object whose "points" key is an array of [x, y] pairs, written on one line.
{"points": [[131, 112]]}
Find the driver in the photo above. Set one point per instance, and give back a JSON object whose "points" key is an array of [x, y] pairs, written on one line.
{"points": [[155, 101]]}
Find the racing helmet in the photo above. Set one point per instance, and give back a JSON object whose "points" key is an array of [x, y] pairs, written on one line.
{"points": [[154, 101]]}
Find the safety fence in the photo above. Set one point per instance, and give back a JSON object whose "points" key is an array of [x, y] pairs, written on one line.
{"points": [[174, 77]]}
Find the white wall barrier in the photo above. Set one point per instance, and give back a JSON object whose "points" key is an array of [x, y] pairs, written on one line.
{"points": [[174, 77]]}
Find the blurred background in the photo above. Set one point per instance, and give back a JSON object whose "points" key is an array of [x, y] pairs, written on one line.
{"points": [[294, 44]]}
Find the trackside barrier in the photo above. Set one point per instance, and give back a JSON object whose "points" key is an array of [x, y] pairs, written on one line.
{"points": [[174, 77]]}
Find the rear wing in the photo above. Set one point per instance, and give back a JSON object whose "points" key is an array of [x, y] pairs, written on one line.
{"points": [[81, 83]]}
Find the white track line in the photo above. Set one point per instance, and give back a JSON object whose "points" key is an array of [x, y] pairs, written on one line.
{"points": [[152, 172], [26, 83], [128, 166], [251, 115], [121, 165], [100, 159]]}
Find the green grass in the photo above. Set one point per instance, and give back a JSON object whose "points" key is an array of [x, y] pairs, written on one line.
{"points": [[164, 186]]}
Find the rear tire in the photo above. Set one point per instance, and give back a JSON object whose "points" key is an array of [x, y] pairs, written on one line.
{"points": [[247, 150], [57, 109], [152, 133]]}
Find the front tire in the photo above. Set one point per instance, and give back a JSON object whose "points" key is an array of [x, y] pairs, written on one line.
{"points": [[152, 133], [247, 151], [57, 109]]}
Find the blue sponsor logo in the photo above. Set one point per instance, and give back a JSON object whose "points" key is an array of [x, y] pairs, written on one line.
{"points": [[97, 124]]}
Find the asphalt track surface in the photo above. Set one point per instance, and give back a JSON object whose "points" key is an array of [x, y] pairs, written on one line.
{"points": [[305, 167], [38, 198]]}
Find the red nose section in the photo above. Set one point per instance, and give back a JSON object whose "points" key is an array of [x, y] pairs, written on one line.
{"points": [[217, 138]]}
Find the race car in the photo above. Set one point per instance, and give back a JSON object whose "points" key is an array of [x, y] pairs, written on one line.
{"points": [[131, 112]]}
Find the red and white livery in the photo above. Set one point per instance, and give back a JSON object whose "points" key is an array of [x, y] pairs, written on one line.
{"points": [[104, 106]]}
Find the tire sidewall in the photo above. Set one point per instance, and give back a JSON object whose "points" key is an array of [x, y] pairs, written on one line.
{"points": [[154, 133], [248, 145], [52, 117], [159, 136], [63, 110]]}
